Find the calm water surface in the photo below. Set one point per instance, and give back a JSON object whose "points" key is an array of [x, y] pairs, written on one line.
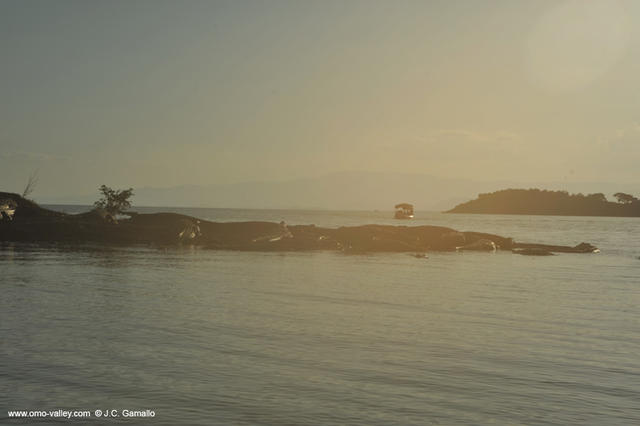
{"points": [[217, 337]]}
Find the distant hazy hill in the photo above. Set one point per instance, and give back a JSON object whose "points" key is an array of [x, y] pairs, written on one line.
{"points": [[535, 201], [336, 191], [340, 191]]}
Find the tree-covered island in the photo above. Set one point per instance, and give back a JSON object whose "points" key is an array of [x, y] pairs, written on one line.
{"points": [[543, 202]]}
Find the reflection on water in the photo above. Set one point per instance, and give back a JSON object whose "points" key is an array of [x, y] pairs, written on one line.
{"points": [[215, 337]]}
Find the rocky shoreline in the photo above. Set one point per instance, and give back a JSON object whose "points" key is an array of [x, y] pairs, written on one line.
{"points": [[31, 223]]}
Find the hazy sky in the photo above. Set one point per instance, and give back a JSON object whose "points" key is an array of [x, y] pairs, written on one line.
{"points": [[163, 93]]}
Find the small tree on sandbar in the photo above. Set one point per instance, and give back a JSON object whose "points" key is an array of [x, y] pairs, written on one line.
{"points": [[114, 201]]}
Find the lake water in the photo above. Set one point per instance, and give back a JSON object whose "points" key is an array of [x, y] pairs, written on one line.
{"points": [[207, 337]]}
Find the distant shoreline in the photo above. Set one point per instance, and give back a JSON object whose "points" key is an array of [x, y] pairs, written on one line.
{"points": [[82, 208], [550, 203]]}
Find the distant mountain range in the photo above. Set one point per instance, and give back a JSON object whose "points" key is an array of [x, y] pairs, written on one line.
{"points": [[338, 191]]}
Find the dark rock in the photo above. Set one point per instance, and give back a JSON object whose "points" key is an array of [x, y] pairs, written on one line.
{"points": [[479, 245], [585, 248], [27, 208], [31, 223], [453, 239], [532, 252], [96, 215], [580, 248], [500, 242]]}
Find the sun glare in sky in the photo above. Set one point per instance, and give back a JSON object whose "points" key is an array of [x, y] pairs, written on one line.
{"points": [[163, 93]]}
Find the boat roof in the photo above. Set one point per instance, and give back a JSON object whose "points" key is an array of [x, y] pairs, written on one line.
{"points": [[404, 206]]}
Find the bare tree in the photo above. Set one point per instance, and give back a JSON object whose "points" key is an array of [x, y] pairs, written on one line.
{"points": [[31, 184]]}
